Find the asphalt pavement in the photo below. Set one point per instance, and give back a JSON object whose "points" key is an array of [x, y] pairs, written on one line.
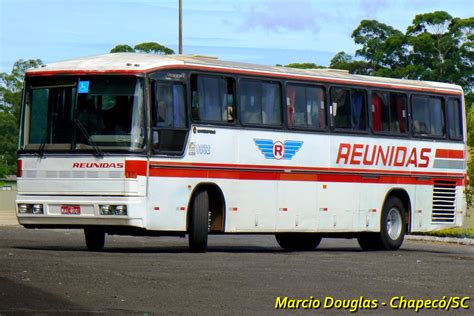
{"points": [[50, 271]]}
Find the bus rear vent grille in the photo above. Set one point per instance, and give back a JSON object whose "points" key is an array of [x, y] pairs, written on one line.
{"points": [[444, 202]]}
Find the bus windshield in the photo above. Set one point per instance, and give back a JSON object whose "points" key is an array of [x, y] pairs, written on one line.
{"points": [[86, 113]]}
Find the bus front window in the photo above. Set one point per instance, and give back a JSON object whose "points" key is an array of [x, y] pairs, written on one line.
{"points": [[84, 114]]}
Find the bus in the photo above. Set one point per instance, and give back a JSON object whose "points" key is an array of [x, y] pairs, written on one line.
{"points": [[189, 145]]}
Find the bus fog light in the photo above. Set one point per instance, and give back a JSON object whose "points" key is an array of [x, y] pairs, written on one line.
{"points": [[121, 210], [37, 208], [105, 210], [23, 208]]}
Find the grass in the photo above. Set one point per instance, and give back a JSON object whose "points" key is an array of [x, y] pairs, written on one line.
{"points": [[451, 232]]}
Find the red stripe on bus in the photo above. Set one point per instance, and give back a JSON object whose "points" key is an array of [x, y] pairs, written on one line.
{"points": [[202, 173], [304, 169], [134, 168], [244, 72], [448, 153]]}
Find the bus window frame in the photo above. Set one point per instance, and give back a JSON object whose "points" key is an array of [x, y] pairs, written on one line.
{"points": [[190, 92], [407, 114], [340, 130], [428, 137], [458, 98], [308, 85], [151, 101], [283, 125]]}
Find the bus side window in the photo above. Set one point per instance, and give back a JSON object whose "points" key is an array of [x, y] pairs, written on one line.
{"points": [[454, 119], [389, 112], [169, 117], [428, 116], [212, 98], [349, 108], [380, 120], [398, 110], [260, 102], [305, 107], [169, 106]]}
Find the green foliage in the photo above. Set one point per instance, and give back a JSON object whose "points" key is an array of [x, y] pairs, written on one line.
{"points": [[122, 48], [451, 232], [153, 48], [435, 47], [11, 88], [344, 61], [383, 47], [147, 47], [304, 66]]}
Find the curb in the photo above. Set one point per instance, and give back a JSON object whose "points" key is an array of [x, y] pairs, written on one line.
{"points": [[450, 240]]}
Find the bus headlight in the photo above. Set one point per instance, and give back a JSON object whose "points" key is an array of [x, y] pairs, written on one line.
{"points": [[105, 210], [113, 209], [121, 210], [23, 208], [37, 208], [30, 208]]}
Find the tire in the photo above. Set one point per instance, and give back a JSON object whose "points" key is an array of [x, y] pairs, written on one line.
{"points": [[298, 241], [198, 229], [95, 238], [392, 228]]}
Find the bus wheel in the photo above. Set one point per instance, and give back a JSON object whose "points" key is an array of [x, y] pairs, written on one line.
{"points": [[199, 222], [298, 241], [95, 238], [392, 228]]}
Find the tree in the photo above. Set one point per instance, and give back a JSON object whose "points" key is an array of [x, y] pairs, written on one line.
{"points": [[383, 48], [441, 48], [344, 61], [146, 47], [153, 48], [11, 87], [122, 48], [304, 66]]}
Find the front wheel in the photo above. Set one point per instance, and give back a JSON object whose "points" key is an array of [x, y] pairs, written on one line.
{"points": [[298, 241], [392, 228], [95, 238]]}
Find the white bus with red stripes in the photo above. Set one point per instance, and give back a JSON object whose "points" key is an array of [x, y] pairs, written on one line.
{"points": [[190, 145]]}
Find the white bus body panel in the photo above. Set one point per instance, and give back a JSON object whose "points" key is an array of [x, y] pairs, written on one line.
{"points": [[317, 189]]}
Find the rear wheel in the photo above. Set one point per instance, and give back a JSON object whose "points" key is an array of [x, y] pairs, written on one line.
{"points": [[95, 238], [199, 222], [392, 228], [298, 241]]}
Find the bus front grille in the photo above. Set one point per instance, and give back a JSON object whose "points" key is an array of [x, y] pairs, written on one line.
{"points": [[444, 202]]}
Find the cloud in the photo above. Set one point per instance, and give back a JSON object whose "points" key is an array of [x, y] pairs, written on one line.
{"points": [[373, 7], [279, 15]]}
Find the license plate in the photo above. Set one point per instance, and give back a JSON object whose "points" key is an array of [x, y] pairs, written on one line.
{"points": [[70, 210]]}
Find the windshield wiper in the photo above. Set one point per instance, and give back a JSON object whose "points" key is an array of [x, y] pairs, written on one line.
{"points": [[98, 152]]}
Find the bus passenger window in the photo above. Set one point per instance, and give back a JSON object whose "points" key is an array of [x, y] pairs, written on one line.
{"points": [[212, 98], [389, 112], [428, 116], [349, 108], [454, 119], [305, 107], [260, 102], [398, 113], [380, 113]]}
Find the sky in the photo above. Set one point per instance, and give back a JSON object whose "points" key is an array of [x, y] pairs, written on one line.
{"points": [[256, 31]]}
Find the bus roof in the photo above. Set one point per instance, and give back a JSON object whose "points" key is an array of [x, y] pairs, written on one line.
{"points": [[137, 63]]}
